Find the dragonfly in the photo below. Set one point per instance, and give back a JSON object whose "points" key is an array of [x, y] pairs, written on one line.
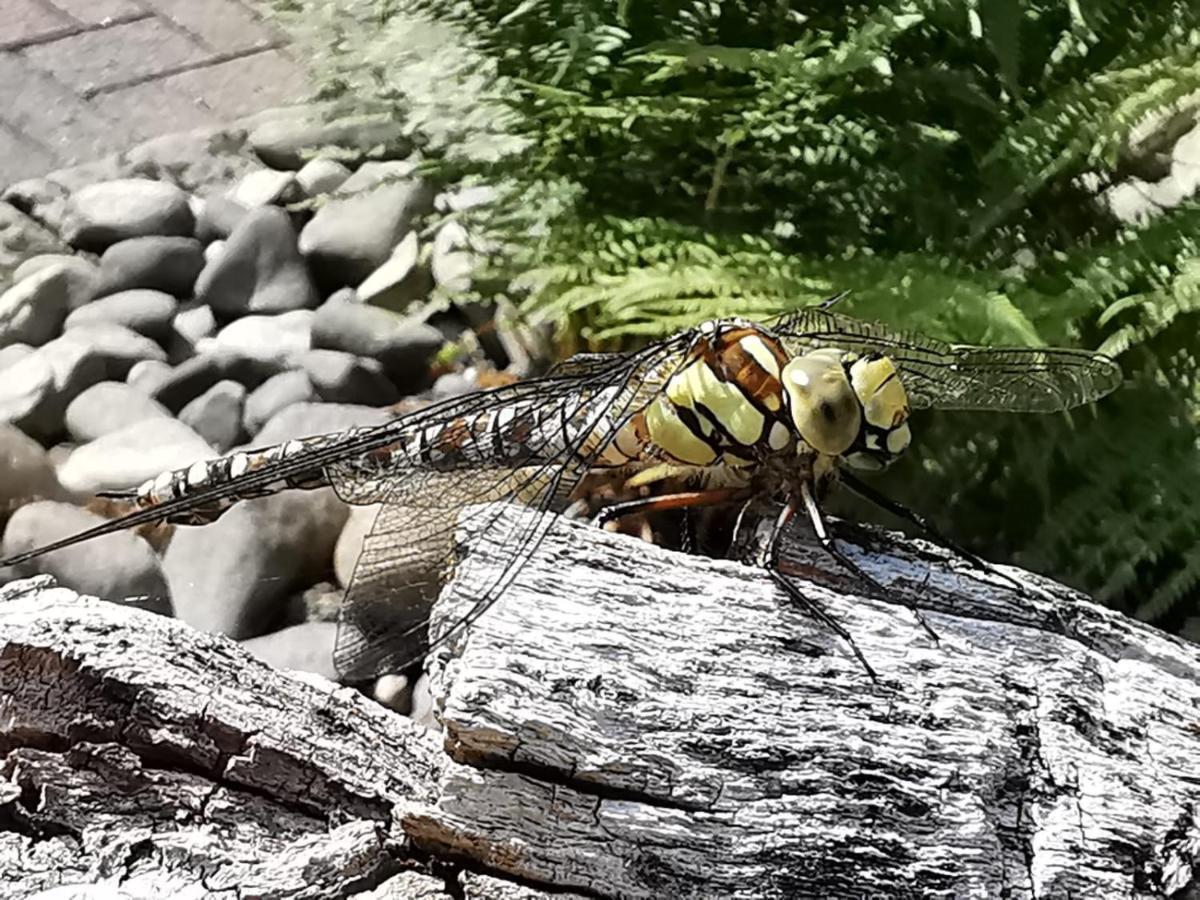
{"points": [[729, 412]]}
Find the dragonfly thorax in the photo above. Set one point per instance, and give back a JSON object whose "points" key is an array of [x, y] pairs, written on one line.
{"points": [[740, 398]]}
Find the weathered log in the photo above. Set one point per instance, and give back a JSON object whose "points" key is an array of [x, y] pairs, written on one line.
{"points": [[624, 722]]}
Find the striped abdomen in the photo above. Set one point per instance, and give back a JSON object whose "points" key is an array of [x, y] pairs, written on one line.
{"points": [[518, 433]]}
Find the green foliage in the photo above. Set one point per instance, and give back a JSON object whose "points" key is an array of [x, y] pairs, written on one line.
{"points": [[947, 160]]}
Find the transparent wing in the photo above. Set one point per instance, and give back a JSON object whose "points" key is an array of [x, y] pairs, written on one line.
{"points": [[385, 613], [960, 376]]}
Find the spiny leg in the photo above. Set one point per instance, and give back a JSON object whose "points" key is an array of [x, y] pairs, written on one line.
{"points": [[818, 524], [901, 511], [681, 500], [823, 617], [769, 559]]}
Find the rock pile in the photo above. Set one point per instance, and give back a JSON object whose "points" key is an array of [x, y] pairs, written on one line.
{"points": [[182, 300]]}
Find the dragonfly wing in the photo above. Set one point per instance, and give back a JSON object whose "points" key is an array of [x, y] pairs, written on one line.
{"points": [[959, 376], [533, 450], [407, 556]]}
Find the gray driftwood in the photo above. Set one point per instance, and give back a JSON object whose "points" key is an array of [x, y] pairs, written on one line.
{"points": [[625, 722]]}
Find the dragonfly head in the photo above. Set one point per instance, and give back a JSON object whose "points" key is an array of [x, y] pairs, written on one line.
{"points": [[847, 405]]}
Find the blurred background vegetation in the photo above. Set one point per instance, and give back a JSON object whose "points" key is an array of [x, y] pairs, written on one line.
{"points": [[956, 163]]}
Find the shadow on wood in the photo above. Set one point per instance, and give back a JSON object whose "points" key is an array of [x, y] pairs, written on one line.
{"points": [[625, 722]]}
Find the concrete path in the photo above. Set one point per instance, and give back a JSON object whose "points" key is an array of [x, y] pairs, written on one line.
{"points": [[83, 78]]}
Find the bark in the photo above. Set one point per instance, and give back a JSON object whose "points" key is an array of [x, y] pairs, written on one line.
{"points": [[625, 722]]}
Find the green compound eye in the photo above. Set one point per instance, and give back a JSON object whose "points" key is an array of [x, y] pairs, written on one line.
{"points": [[824, 408]]}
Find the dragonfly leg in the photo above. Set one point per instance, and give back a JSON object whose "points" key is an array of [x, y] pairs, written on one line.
{"points": [[769, 558], [818, 523], [681, 500], [900, 511], [820, 615]]}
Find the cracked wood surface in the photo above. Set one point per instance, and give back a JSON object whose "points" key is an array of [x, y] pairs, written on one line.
{"points": [[625, 722], [642, 724]]}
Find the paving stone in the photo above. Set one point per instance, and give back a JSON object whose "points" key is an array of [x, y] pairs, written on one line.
{"points": [[21, 157], [111, 56], [93, 12], [244, 85], [220, 24], [146, 110], [22, 20], [47, 111]]}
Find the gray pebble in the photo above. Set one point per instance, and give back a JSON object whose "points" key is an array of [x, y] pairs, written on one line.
{"points": [[276, 394], [217, 218], [101, 214], [169, 264], [264, 187], [84, 270], [193, 377], [393, 691], [35, 392], [452, 384], [350, 542], [119, 566], [320, 602], [147, 375], [278, 339], [109, 406], [26, 473], [400, 280], [13, 353], [305, 419], [345, 378], [126, 457], [194, 324], [303, 648], [32, 311], [260, 269], [216, 415], [322, 176], [148, 312], [234, 576], [404, 347], [350, 237]]}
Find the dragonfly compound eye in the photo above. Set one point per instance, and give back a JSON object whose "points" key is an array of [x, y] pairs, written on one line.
{"points": [[883, 398], [884, 402], [823, 404]]}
